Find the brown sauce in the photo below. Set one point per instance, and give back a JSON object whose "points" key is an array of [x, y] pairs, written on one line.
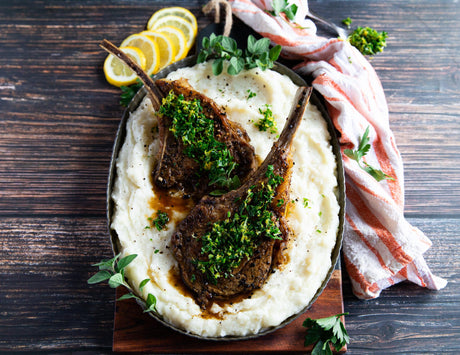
{"points": [[164, 201]]}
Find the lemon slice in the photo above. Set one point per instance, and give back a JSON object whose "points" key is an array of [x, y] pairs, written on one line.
{"points": [[177, 38], [118, 73], [166, 47], [148, 47], [174, 11], [179, 23]]}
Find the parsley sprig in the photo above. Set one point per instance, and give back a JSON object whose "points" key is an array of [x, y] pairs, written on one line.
{"points": [[282, 6], [359, 153], [325, 331], [222, 48], [114, 271]]}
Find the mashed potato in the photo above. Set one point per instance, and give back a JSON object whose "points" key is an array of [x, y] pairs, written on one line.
{"points": [[313, 213]]}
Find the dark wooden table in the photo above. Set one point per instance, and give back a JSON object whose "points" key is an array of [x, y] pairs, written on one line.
{"points": [[58, 121]]}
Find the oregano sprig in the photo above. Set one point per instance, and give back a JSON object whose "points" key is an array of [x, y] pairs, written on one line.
{"points": [[114, 271], [359, 153], [222, 48], [325, 331]]}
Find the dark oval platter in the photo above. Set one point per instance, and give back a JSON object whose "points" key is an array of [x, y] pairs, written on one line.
{"points": [[316, 100]]}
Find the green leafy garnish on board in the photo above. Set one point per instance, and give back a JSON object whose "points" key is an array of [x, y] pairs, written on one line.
{"points": [[324, 332], [230, 241], [267, 122], [347, 22], [222, 48], [367, 40], [114, 271], [359, 153], [196, 131], [282, 6]]}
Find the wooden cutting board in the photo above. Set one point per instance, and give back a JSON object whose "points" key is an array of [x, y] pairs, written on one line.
{"points": [[135, 331]]}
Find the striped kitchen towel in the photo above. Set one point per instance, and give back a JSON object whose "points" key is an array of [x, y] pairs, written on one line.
{"points": [[380, 247]]}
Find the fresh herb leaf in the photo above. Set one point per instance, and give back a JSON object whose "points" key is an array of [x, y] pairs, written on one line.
{"points": [[114, 272], [143, 283], [347, 22], [305, 202], [151, 303], [99, 277], [222, 48], [358, 154], [267, 122], [161, 221], [325, 331], [368, 41], [282, 6], [128, 92]]}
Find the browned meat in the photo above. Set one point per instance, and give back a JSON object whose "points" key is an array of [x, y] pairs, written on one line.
{"points": [[178, 172], [175, 171], [252, 271]]}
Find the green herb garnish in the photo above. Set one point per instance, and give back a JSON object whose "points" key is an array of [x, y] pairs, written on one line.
{"points": [[359, 153], [128, 92], [196, 131], [368, 41], [347, 22], [325, 331], [161, 221], [305, 202], [282, 6], [229, 241], [251, 94], [114, 271], [222, 48], [267, 122]]}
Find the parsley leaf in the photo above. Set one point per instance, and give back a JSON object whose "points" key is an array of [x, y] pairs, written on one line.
{"points": [[114, 271], [359, 153], [282, 6], [222, 48], [128, 92], [324, 332]]}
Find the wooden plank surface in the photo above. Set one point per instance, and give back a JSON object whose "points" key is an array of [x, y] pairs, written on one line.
{"points": [[58, 121], [138, 332]]}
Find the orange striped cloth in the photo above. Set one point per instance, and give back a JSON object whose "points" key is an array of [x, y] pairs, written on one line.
{"points": [[380, 247]]}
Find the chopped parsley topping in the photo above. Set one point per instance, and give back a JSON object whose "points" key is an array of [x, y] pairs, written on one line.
{"points": [[230, 241], [347, 22], [305, 202], [251, 94], [267, 122], [161, 221], [367, 40], [196, 131]]}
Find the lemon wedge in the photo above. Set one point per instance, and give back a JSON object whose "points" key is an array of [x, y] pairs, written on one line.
{"points": [[148, 47], [178, 22], [177, 37], [166, 47], [174, 11], [118, 73]]}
